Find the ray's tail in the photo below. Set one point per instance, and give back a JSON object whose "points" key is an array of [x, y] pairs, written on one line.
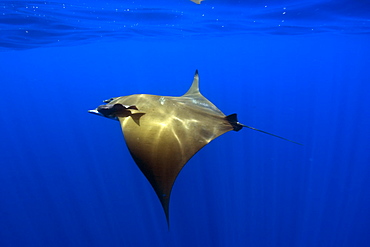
{"points": [[233, 120]]}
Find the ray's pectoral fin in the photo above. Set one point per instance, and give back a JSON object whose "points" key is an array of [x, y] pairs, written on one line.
{"points": [[114, 111]]}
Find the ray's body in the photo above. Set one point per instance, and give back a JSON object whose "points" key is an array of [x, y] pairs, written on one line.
{"points": [[163, 132]]}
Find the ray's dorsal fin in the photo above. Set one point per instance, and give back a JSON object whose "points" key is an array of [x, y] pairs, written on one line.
{"points": [[194, 88]]}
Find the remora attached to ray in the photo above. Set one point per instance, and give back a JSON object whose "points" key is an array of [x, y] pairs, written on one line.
{"points": [[163, 133]]}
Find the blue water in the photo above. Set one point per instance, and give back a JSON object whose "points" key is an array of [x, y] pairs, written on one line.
{"points": [[297, 69]]}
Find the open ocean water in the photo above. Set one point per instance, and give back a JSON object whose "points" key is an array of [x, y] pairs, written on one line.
{"points": [[298, 69]]}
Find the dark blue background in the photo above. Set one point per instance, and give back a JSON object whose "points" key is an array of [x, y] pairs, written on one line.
{"points": [[67, 178]]}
